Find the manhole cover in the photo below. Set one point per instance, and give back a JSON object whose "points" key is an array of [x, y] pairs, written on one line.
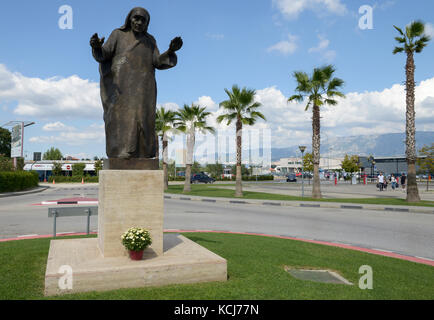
{"points": [[324, 276]]}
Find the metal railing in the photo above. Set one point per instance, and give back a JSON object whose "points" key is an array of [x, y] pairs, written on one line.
{"points": [[72, 212]]}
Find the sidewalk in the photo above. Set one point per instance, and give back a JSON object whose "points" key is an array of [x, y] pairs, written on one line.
{"points": [[305, 204], [21, 193]]}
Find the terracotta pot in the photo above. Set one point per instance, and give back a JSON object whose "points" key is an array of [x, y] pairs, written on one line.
{"points": [[136, 255]]}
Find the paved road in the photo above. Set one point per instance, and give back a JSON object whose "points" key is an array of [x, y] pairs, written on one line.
{"points": [[406, 233]]}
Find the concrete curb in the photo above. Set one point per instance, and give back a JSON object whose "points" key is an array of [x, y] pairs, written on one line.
{"points": [[307, 204], [21, 193]]}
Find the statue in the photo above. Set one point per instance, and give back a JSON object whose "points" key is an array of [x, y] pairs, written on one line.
{"points": [[128, 88]]}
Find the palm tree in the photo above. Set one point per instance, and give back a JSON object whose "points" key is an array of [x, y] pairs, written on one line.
{"points": [[163, 125], [189, 119], [413, 40], [240, 107], [319, 90]]}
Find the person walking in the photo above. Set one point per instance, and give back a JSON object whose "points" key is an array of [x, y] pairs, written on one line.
{"points": [[393, 182], [403, 180], [381, 181]]}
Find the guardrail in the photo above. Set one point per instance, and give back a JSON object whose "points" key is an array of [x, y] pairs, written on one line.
{"points": [[72, 212]]}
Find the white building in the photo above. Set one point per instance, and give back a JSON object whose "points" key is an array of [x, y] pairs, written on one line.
{"points": [[294, 164]]}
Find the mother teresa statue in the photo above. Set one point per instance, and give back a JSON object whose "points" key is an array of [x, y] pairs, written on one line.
{"points": [[128, 89]]}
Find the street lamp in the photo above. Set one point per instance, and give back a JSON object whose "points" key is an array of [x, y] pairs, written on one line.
{"points": [[302, 148]]}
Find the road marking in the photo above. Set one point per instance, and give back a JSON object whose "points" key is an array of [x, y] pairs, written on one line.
{"points": [[382, 250], [27, 235], [424, 258]]}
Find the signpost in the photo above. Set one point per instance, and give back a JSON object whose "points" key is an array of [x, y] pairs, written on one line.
{"points": [[17, 138]]}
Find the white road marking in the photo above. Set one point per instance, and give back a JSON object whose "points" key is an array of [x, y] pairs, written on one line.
{"points": [[27, 235]]}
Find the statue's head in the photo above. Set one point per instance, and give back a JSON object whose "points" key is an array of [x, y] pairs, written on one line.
{"points": [[137, 20]]}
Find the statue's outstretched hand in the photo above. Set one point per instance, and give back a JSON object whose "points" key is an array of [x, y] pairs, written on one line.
{"points": [[175, 44], [96, 42]]}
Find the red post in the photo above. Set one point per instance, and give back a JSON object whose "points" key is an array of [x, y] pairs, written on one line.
{"points": [[336, 180], [364, 179]]}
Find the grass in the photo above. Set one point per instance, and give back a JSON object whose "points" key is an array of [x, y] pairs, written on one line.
{"points": [[255, 270], [214, 191]]}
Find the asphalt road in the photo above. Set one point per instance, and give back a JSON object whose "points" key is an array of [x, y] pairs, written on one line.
{"points": [[406, 233]]}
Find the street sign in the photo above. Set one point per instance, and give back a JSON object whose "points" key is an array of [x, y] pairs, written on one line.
{"points": [[17, 141]]}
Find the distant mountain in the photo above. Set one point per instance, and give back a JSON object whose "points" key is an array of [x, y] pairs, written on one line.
{"points": [[380, 145]]}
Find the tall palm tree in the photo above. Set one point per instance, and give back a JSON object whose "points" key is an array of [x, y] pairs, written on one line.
{"points": [[412, 40], [188, 120], [240, 107], [163, 125], [319, 90]]}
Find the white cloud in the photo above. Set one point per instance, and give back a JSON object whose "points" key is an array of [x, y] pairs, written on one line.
{"points": [[286, 46], [57, 126], [215, 36], [292, 8], [68, 98], [321, 48], [429, 29], [93, 135]]}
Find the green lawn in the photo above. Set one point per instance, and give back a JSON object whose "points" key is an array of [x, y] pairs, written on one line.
{"points": [[255, 270], [214, 191]]}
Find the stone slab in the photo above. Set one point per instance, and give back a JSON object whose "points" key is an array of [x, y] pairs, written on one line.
{"points": [[129, 198], [183, 261], [130, 164]]}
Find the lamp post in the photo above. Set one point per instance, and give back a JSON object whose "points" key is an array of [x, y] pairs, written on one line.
{"points": [[302, 148]]}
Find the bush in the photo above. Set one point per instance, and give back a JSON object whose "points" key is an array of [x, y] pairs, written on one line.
{"points": [[78, 169], [73, 179], [6, 164], [18, 180]]}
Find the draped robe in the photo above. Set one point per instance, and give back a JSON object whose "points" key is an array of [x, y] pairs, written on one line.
{"points": [[129, 92]]}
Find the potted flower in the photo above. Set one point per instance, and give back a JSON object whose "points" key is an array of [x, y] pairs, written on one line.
{"points": [[136, 240]]}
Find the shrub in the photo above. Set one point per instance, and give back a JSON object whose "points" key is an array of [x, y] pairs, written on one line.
{"points": [[90, 179], [18, 180], [6, 164], [78, 169]]}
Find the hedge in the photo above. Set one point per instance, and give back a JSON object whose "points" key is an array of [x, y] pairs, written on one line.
{"points": [[57, 179], [11, 181], [244, 178]]}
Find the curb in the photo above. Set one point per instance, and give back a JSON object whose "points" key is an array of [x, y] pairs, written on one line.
{"points": [[379, 252], [21, 193], [337, 205]]}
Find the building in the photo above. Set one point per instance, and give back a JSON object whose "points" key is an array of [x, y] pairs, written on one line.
{"points": [[294, 164], [45, 167]]}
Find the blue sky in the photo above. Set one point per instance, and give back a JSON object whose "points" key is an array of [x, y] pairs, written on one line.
{"points": [[257, 44]]}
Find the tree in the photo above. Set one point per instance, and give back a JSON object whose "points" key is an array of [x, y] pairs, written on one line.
{"points": [[242, 108], [320, 89], [6, 164], [164, 124], [426, 163], [5, 143], [188, 120], [78, 169], [196, 167], [53, 154], [350, 164], [98, 166], [412, 41], [308, 162], [57, 169], [214, 169]]}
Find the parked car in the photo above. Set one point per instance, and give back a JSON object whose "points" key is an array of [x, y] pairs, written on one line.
{"points": [[291, 178], [201, 177]]}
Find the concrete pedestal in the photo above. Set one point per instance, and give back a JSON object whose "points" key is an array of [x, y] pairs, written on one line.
{"points": [[129, 198], [183, 261]]}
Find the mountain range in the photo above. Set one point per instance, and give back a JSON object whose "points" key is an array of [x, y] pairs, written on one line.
{"points": [[378, 145]]}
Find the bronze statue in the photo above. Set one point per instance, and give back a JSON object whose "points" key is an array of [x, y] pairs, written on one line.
{"points": [[128, 89]]}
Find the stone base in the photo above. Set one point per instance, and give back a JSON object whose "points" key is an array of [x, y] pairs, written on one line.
{"points": [[183, 261], [129, 198], [130, 164]]}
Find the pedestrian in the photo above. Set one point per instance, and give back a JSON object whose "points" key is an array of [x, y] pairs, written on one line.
{"points": [[393, 182], [403, 180], [381, 181]]}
